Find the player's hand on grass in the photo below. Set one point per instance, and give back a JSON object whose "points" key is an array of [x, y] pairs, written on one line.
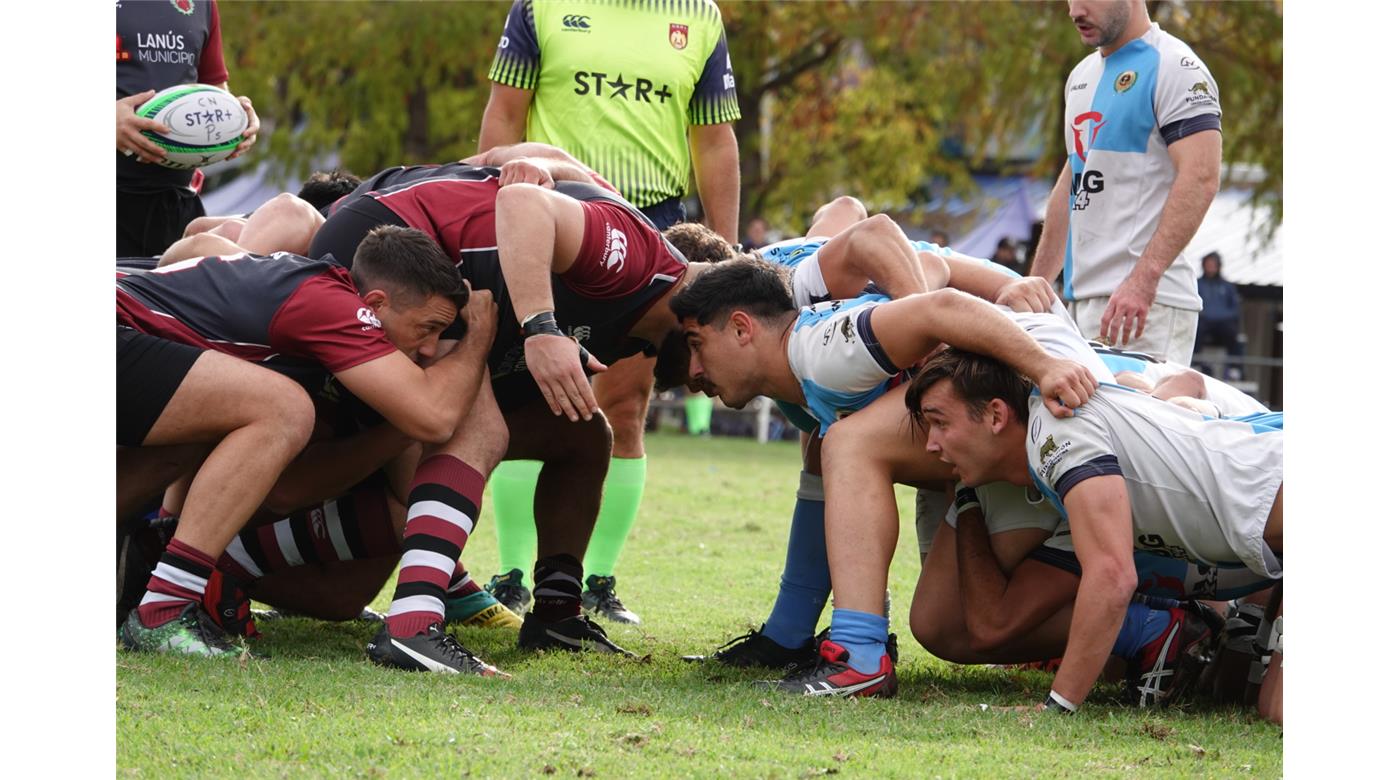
{"points": [[1126, 315], [1027, 294], [1065, 385], [129, 126], [555, 363], [479, 315], [250, 136], [526, 172]]}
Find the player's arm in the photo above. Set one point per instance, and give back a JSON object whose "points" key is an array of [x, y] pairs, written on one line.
{"points": [[1100, 520], [330, 468], [503, 121], [976, 277], [999, 607], [544, 171], [874, 249], [910, 328], [715, 151], [1197, 161], [500, 155], [427, 403], [1050, 252]]}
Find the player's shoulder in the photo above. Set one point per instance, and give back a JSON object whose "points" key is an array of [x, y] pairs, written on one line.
{"points": [[1178, 59]]}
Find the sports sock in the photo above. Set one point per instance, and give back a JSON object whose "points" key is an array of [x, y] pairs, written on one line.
{"points": [[513, 503], [863, 635], [806, 578], [622, 496], [347, 528], [699, 408], [1141, 625], [461, 583], [558, 588], [442, 506], [179, 579]]}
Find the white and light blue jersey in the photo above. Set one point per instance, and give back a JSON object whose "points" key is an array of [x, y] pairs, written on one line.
{"points": [[1121, 113], [1230, 400], [1200, 489], [808, 286], [834, 354]]}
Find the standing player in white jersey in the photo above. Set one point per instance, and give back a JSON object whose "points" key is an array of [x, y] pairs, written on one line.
{"points": [[1142, 132], [1126, 470]]}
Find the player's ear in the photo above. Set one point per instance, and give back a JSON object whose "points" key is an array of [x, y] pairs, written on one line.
{"points": [[376, 299], [999, 415], [743, 326]]}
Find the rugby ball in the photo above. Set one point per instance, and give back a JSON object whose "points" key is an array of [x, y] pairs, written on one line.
{"points": [[206, 124]]}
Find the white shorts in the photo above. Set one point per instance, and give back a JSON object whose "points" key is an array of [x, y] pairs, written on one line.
{"points": [[1170, 333]]}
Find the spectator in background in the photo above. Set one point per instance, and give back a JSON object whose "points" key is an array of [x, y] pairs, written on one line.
{"points": [[755, 235], [939, 237], [1220, 315], [1005, 254]]}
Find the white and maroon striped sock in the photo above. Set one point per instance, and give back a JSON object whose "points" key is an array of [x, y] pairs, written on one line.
{"points": [[179, 579], [443, 503]]}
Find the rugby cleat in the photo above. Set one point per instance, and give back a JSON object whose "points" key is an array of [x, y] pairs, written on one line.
{"points": [[601, 597], [575, 634], [1167, 666], [481, 610], [192, 632], [756, 650], [139, 547], [510, 590], [433, 650], [831, 675], [366, 615]]}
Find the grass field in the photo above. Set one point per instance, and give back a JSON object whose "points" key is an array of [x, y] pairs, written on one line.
{"points": [[701, 567]]}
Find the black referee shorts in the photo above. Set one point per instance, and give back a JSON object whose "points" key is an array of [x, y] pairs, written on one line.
{"points": [[149, 371]]}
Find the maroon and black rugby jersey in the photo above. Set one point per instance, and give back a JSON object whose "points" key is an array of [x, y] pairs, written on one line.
{"points": [[300, 317]]}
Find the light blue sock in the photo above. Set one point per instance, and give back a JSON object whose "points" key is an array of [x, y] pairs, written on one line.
{"points": [[1141, 625], [806, 579], [863, 635]]}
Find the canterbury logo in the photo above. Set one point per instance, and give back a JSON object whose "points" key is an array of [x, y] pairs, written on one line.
{"points": [[617, 249], [366, 315], [576, 21]]}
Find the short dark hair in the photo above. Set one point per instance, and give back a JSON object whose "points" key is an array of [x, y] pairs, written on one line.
{"points": [[323, 188], [698, 243], [759, 288], [408, 264], [977, 378]]}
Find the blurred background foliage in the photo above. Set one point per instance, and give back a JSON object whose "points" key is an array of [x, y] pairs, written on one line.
{"points": [[872, 99]]}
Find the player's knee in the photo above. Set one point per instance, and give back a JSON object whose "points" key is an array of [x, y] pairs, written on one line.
{"points": [[289, 412], [844, 204], [878, 224], [930, 631]]}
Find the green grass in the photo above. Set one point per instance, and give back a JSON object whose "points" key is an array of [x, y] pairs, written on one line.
{"points": [[702, 566]]}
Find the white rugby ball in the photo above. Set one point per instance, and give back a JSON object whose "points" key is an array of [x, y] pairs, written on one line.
{"points": [[206, 124]]}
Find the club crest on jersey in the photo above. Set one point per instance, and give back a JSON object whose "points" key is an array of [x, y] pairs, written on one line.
{"points": [[680, 36], [617, 249], [1125, 81], [848, 331], [185, 7], [1047, 448], [366, 315]]}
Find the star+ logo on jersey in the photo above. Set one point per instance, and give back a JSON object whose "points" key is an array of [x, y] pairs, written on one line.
{"points": [[576, 23], [366, 315], [641, 90], [680, 36]]}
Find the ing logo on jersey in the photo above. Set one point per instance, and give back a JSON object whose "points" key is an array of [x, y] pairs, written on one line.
{"points": [[617, 249]]}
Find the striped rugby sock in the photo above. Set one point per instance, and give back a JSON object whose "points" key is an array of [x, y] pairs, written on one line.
{"points": [[558, 588], [443, 504], [179, 579], [348, 528], [461, 583]]}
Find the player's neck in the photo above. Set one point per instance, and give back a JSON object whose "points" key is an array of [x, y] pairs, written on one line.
{"points": [[1015, 468], [1135, 29], [780, 383]]}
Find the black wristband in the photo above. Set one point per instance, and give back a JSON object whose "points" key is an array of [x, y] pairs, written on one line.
{"points": [[542, 324]]}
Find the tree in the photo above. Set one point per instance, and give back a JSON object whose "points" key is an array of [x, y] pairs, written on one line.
{"points": [[838, 97]]}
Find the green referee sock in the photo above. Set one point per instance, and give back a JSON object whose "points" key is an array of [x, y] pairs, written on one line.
{"points": [[513, 503], [622, 496]]}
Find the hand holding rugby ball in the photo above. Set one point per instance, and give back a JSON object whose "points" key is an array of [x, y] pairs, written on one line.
{"points": [[206, 124]]}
